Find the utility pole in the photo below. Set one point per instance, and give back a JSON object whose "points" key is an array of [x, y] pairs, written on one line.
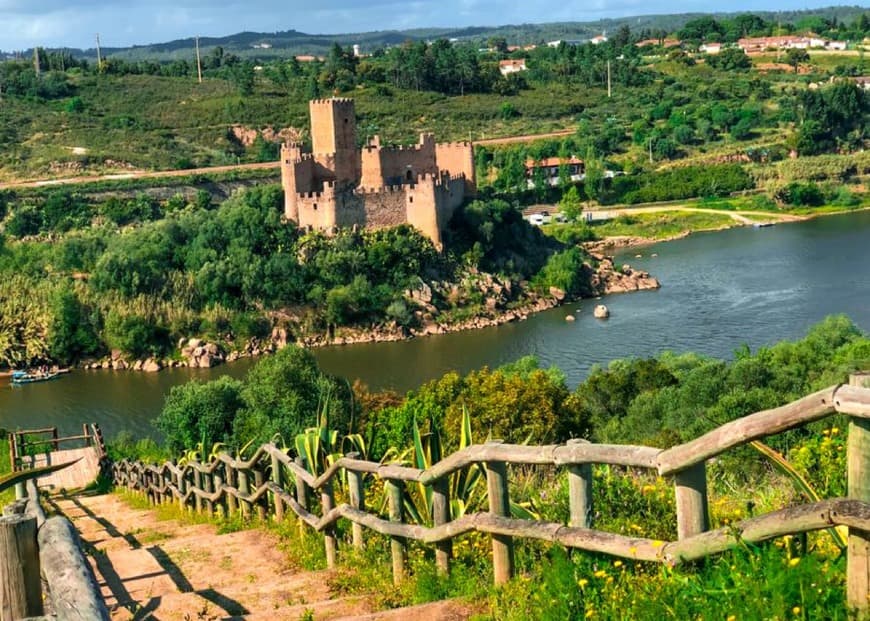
{"points": [[99, 55], [36, 61], [609, 91], [198, 62], [650, 150]]}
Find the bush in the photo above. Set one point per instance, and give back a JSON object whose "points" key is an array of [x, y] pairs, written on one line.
{"points": [[801, 195], [197, 413], [679, 183]]}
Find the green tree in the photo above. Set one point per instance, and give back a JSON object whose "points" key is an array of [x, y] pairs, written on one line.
{"points": [[794, 57], [72, 333], [284, 394], [570, 204], [196, 412]]}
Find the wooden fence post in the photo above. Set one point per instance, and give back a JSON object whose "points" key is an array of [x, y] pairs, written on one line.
{"points": [[499, 504], [691, 495], [441, 515], [259, 479], [197, 484], [858, 480], [357, 500], [20, 586], [301, 494], [244, 490], [278, 479], [327, 502], [208, 488], [232, 503], [395, 493], [580, 495], [182, 487]]}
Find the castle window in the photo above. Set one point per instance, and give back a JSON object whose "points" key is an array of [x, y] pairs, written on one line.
{"points": [[315, 206], [410, 199], [409, 175]]}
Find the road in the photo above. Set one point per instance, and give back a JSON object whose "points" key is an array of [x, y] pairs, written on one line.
{"points": [[740, 216], [136, 174], [145, 174]]}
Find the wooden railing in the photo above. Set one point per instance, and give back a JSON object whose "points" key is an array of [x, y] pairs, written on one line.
{"points": [[36, 551], [24, 445], [260, 485]]}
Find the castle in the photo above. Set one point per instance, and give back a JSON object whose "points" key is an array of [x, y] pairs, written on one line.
{"points": [[338, 185]]}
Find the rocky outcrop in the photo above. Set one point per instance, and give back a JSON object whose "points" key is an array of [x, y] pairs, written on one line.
{"points": [[608, 279], [201, 355]]}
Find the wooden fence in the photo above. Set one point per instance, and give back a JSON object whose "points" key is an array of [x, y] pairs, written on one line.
{"points": [[35, 550], [271, 481]]}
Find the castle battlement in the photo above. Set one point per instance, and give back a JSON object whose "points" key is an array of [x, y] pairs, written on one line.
{"points": [[341, 185], [329, 101]]}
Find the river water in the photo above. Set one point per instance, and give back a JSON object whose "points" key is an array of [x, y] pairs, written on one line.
{"points": [[719, 291]]}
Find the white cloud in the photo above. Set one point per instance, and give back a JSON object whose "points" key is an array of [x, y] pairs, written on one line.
{"points": [[51, 23]]}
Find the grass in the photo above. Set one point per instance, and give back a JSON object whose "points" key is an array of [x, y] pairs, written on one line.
{"points": [[661, 225], [8, 495]]}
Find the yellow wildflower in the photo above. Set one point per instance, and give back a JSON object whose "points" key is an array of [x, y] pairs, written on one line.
{"points": [[617, 563], [582, 582], [590, 613], [600, 573], [796, 610], [794, 561]]}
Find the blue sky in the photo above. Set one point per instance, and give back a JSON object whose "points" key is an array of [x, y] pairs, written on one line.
{"points": [[51, 23]]}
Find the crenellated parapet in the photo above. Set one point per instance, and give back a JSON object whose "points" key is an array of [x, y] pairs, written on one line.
{"points": [[339, 185]]}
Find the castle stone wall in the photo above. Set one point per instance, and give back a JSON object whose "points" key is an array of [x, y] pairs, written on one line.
{"points": [[458, 158], [378, 187]]}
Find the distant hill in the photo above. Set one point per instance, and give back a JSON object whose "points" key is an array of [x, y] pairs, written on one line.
{"points": [[284, 44]]}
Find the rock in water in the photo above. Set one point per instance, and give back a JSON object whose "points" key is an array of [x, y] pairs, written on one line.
{"points": [[601, 312], [570, 318]]}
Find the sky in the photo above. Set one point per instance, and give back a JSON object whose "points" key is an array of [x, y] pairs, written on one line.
{"points": [[74, 23]]}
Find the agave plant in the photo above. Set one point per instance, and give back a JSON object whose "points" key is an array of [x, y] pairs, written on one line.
{"points": [[838, 533], [466, 487]]}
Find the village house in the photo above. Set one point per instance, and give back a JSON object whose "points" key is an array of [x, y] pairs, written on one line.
{"points": [[337, 185], [507, 67], [710, 48], [665, 43], [598, 39], [789, 42], [549, 167]]}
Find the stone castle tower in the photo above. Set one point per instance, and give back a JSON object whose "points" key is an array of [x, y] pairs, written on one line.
{"points": [[338, 185]]}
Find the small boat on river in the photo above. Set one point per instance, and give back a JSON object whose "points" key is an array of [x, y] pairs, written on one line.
{"points": [[20, 378]]}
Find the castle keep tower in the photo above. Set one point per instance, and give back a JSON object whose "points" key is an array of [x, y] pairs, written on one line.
{"points": [[338, 185], [333, 134]]}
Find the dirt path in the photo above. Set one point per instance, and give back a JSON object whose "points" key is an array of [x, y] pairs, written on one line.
{"points": [[739, 216], [145, 174], [136, 174], [153, 569]]}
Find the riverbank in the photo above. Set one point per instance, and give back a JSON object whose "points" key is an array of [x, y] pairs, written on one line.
{"points": [[603, 276], [739, 219]]}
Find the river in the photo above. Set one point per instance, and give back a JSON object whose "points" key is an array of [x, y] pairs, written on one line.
{"points": [[719, 291]]}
